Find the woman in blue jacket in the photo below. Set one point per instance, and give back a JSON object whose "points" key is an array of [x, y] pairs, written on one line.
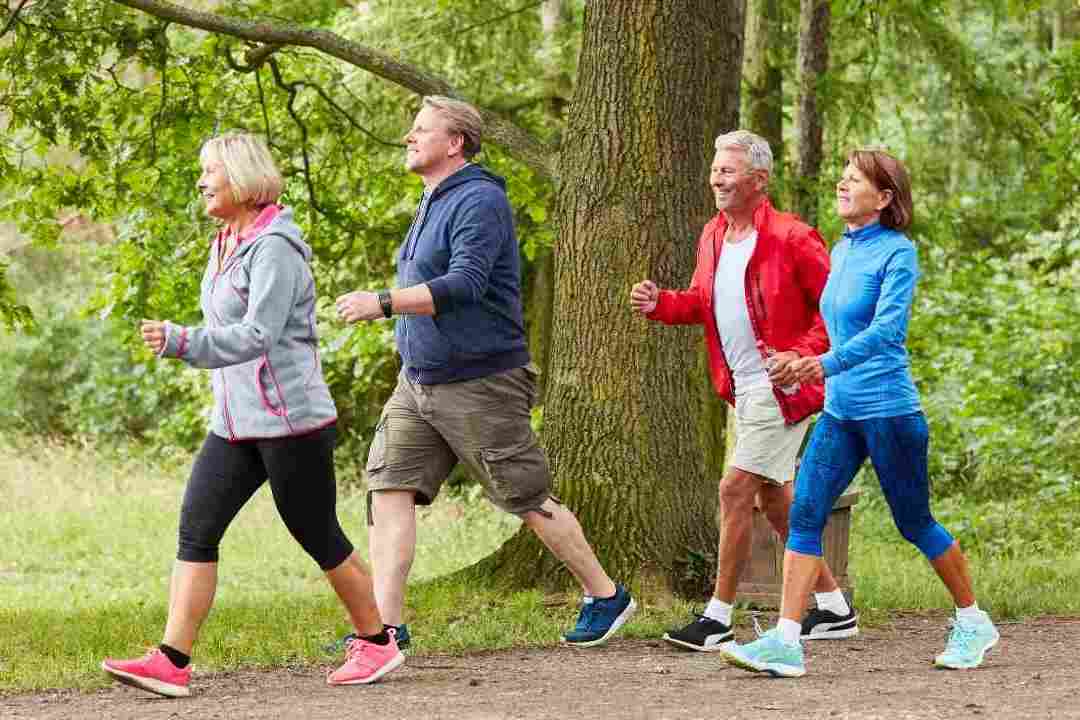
{"points": [[871, 411]]}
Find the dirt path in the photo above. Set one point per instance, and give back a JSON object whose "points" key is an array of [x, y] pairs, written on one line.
{"points": [[884, 673]]}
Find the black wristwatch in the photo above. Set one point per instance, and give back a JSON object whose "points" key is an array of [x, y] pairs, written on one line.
{"points": [[386, 303]]}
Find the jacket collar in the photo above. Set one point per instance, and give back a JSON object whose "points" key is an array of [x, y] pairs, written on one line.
{"points": [[762, 213], [866, 232]]}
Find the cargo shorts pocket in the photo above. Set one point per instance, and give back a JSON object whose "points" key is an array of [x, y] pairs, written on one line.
{"points": [[376, 459], [518, 478]]}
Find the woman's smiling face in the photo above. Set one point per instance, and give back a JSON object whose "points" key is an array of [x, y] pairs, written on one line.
{"points": [[858, 201], [217, 191]]}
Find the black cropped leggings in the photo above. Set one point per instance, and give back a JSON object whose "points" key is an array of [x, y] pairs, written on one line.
{"points": [[301, 474]]}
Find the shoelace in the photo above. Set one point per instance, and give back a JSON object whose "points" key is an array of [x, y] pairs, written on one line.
{"points": [[757, 626], [588, 613], [359, 651], [960, 636]]}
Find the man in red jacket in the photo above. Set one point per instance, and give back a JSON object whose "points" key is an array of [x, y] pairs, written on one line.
{"points": [[755, 289]]}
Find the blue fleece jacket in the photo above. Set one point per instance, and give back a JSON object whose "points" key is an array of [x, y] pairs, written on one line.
{"points": [[462, 244], [866, 304]]}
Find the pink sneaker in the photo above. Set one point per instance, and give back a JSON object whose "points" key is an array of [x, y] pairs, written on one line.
{"points": [[153, 672], [366, 662]]}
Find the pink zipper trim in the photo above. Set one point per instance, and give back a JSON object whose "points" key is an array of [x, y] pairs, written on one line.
{"points": [[262, 391], [284, 412], [296, 433], [182, 344]]}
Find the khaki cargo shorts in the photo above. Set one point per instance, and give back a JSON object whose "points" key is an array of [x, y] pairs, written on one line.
{"points": [[764, 444], [425, 430]]}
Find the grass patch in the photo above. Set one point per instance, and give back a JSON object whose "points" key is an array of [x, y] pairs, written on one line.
{"points": [[1028, 567], [88, 538]]}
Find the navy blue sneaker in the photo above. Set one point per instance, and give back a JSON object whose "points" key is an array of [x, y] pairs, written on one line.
{"points": [[601, 618], [401, 634]]}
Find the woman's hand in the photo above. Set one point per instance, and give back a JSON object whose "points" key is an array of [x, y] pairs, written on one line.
{"points": [[153, 335], [807, 370]]}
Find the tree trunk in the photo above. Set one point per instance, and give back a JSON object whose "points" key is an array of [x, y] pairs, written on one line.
{"points": [[763, 100], [625, 426], [813, 60], [553, 15]]}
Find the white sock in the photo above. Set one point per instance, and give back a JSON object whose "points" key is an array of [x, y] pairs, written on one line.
{"points": [[834, 601], [789, 631], [719, 611], [972, 613]]}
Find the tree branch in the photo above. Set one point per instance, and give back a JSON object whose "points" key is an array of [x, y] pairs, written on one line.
{"points": [[296, 84], [14, 16], [519, 143]]}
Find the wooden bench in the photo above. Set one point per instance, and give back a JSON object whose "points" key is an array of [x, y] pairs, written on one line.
{"points": [[761, 584]]}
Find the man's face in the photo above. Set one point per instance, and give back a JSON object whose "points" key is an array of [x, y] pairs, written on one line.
{"points": [[735, 186], [430, 144]]}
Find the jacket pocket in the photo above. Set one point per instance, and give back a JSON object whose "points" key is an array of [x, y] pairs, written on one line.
{"points": [[267, 387], [376, 459]]}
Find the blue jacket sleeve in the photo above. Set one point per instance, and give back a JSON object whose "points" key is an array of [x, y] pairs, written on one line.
{"points": [[479, 234], [891, 314]]}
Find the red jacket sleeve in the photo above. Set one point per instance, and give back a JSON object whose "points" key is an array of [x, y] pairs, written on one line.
{"points": [[811, 272], [685, 307]]}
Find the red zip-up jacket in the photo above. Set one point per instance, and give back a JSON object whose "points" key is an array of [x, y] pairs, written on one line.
{"points": [[784, 280]]}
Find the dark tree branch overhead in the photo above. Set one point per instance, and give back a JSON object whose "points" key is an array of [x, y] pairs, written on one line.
{"points": [[298, 84], [12, 18], [519, 143]]}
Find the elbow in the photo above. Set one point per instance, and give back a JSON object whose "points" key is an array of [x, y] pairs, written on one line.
{"points": [[454, 291]]}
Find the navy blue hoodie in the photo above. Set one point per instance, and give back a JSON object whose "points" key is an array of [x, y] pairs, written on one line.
{"points": [[463, 246]]}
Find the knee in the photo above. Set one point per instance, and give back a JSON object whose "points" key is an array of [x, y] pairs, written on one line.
{"points": [[737, 491], [192, 550], [927, 535], [807, 514], [388, 509]]}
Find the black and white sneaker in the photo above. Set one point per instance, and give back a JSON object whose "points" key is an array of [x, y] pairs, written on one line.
{"points": [[827, 625], [703, 635]]}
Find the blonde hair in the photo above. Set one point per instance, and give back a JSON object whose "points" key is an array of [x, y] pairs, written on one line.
{"points": [[757, 149], [464, 119], [252, 173]]}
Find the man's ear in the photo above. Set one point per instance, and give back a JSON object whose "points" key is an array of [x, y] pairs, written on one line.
{"points": [[457, 145]]}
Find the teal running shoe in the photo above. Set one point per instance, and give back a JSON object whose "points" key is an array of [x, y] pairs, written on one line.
{"points": [[967, 644], [768, 654]]}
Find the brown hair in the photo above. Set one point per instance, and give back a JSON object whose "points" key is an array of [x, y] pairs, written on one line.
{"points": [[887, 173]]}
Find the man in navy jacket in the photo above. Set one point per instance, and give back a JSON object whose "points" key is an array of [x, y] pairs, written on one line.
{"points": [[467, 385]]}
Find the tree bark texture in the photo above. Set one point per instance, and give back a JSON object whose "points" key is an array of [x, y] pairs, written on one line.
{"points": [[762, 97], [657, 81], [813, 61]]}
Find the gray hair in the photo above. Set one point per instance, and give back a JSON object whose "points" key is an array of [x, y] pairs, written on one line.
{"points": [[756, 148], [464, 119]]}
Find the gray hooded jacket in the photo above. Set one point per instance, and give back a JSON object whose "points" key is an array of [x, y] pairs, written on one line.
{"points": [[259, 338]]}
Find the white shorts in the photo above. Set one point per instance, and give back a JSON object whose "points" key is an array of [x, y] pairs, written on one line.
{"points": [[764, 444]]}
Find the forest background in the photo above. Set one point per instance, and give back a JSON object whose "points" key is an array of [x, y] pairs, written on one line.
{"points": [[104, 105]]}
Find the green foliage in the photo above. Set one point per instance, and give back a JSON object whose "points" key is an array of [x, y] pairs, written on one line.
{"points": [[105, 109], [993, 343], [13, 314]]}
